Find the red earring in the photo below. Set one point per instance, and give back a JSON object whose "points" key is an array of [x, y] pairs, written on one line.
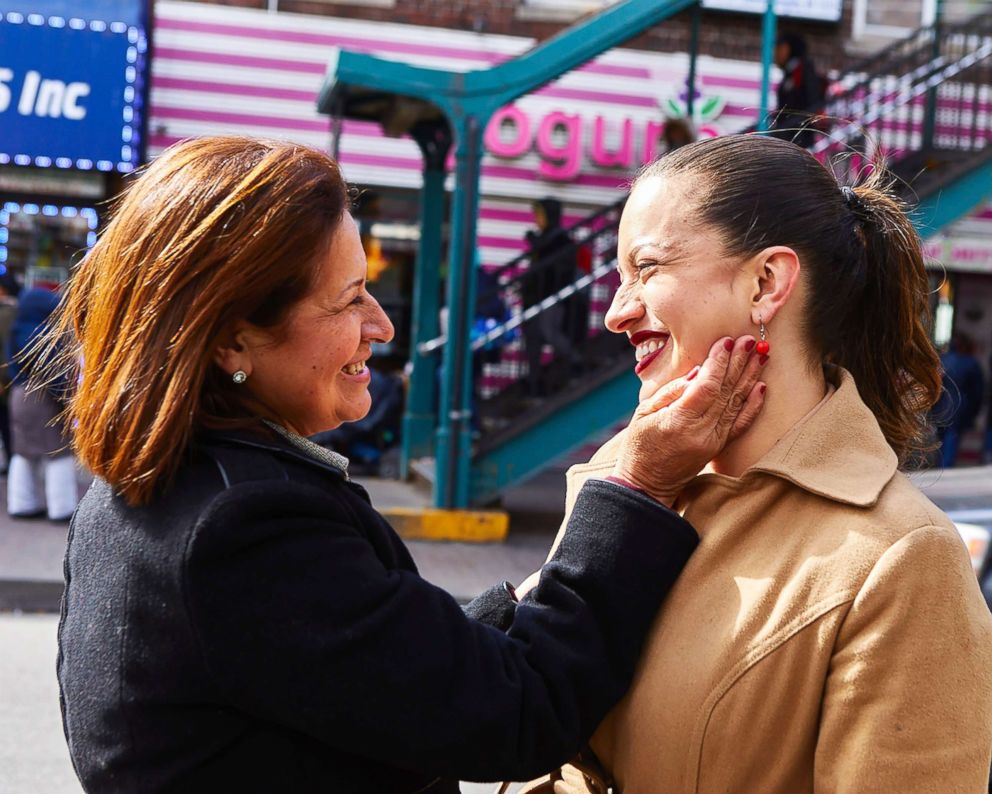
{"points": [[762, 347]]}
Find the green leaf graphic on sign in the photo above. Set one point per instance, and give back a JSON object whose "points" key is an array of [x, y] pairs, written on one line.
{"points": [[711, 108], [675, 108]]}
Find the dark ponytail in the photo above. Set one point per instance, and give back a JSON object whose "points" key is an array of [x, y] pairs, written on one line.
{"points": [[887, 345], [867, 286]]}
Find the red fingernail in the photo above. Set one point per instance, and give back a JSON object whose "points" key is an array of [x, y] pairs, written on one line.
{"points": [[749, 345], [728, 345], [763, 388], [692, 373], [763, 360]]}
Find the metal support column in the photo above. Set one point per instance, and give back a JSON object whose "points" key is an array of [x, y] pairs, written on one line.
{"points": [[398, 95], [768, 25], [420, 417], [930, 109], [454, 435]]}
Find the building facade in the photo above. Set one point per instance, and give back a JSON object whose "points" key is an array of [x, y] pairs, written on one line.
{"points": [[254, 67], [72, 123]]}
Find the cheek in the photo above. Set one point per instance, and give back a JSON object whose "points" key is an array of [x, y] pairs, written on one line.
{"points": [[696, 315]]}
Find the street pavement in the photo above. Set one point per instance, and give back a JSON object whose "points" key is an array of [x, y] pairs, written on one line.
{"points": [[33, 756], [31, 551]]}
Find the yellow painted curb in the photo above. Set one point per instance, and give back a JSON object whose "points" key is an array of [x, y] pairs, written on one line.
{"points": [[466, 526]]}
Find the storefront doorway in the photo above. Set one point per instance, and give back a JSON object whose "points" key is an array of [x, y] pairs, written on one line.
{"points": [[388, 221]]}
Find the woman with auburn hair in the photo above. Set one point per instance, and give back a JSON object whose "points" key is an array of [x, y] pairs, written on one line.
{"points": [[237, 616], [828, 634]]}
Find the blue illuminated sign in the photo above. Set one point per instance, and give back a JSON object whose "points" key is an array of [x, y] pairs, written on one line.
{"points": [[70, 92]]}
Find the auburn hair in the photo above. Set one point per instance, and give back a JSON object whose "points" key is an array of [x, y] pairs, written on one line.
{"points": [[867, 308], [215, 230]]}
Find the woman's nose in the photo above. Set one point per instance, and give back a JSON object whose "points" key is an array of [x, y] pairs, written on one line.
{"points": [[378, 327], [625, 310]]}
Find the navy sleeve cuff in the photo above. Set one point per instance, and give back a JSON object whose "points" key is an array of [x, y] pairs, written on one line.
{"points": [[494, 607]]}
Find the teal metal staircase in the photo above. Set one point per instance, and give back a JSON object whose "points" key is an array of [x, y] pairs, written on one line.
{"points": [[923, 105]]}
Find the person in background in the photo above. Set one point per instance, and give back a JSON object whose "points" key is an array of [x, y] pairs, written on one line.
{"points": [[987, 447], [9, 290], [40, 450], [553, 265], [962, 390], [677, 133], [800, 92]]}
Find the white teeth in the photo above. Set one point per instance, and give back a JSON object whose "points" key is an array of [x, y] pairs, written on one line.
{"points": [[647, 348]]}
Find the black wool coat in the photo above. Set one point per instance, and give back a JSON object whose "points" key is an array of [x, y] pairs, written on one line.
{"points": [[260, 627]]}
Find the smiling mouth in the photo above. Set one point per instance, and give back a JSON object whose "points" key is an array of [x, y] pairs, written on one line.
{"points": [[354, 369], [648, 346]]}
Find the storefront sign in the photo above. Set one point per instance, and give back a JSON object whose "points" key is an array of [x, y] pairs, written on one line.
{"points": [[562, 139], [823, 10], [70, 92], [961, 254]]}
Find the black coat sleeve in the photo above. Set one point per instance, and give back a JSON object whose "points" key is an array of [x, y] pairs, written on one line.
{"points": [[494, 607], [300, 623]]}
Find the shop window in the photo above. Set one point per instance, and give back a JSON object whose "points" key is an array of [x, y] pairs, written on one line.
{"points": [[388, 223], [896, 18], [39, 244]]}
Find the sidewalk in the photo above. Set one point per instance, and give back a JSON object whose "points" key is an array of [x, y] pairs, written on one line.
{"points": [[31, 551]]}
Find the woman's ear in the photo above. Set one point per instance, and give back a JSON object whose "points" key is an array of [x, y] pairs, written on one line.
{"points": [[776, 272], [233, 348]]}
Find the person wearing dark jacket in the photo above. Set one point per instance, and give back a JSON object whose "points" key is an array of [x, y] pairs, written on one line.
{"points": [[799, 94], [962, 389], [40, 453], [237, 616], [553, 266]]}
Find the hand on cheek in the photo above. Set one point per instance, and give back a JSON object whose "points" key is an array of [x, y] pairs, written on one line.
{"points": [[679, 365]]}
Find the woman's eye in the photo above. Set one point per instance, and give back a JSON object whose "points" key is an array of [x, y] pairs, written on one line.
{"points": [[643, 268]]}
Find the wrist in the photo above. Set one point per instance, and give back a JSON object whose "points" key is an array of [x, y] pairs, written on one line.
{"points": [[664, 499]]}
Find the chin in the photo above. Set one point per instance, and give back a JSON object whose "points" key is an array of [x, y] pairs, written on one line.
{"points": [[355, 412], [662, 377]]}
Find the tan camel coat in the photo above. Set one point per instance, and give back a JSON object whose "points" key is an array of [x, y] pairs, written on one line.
{"points": [[828, 635]]}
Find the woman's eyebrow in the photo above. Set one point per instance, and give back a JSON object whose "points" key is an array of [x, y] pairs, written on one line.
{"points": [[669, 251], [351, 285]]}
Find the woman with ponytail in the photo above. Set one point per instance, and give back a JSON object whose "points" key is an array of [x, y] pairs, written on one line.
{"points": [[828, 634]]}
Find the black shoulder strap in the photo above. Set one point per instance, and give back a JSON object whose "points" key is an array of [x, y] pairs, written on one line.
{"points": [[239, 465]]}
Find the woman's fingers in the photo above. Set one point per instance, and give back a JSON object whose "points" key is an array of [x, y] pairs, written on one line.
{"points": [[749, 412], [691, 420], [720, 389], [705, 388], [742, 375], [665, 395]]}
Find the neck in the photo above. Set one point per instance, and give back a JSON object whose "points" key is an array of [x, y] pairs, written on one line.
{"points": [[793, 391]]}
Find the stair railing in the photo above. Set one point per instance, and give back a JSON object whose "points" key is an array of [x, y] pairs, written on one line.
{"points": [[880, 93]]}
